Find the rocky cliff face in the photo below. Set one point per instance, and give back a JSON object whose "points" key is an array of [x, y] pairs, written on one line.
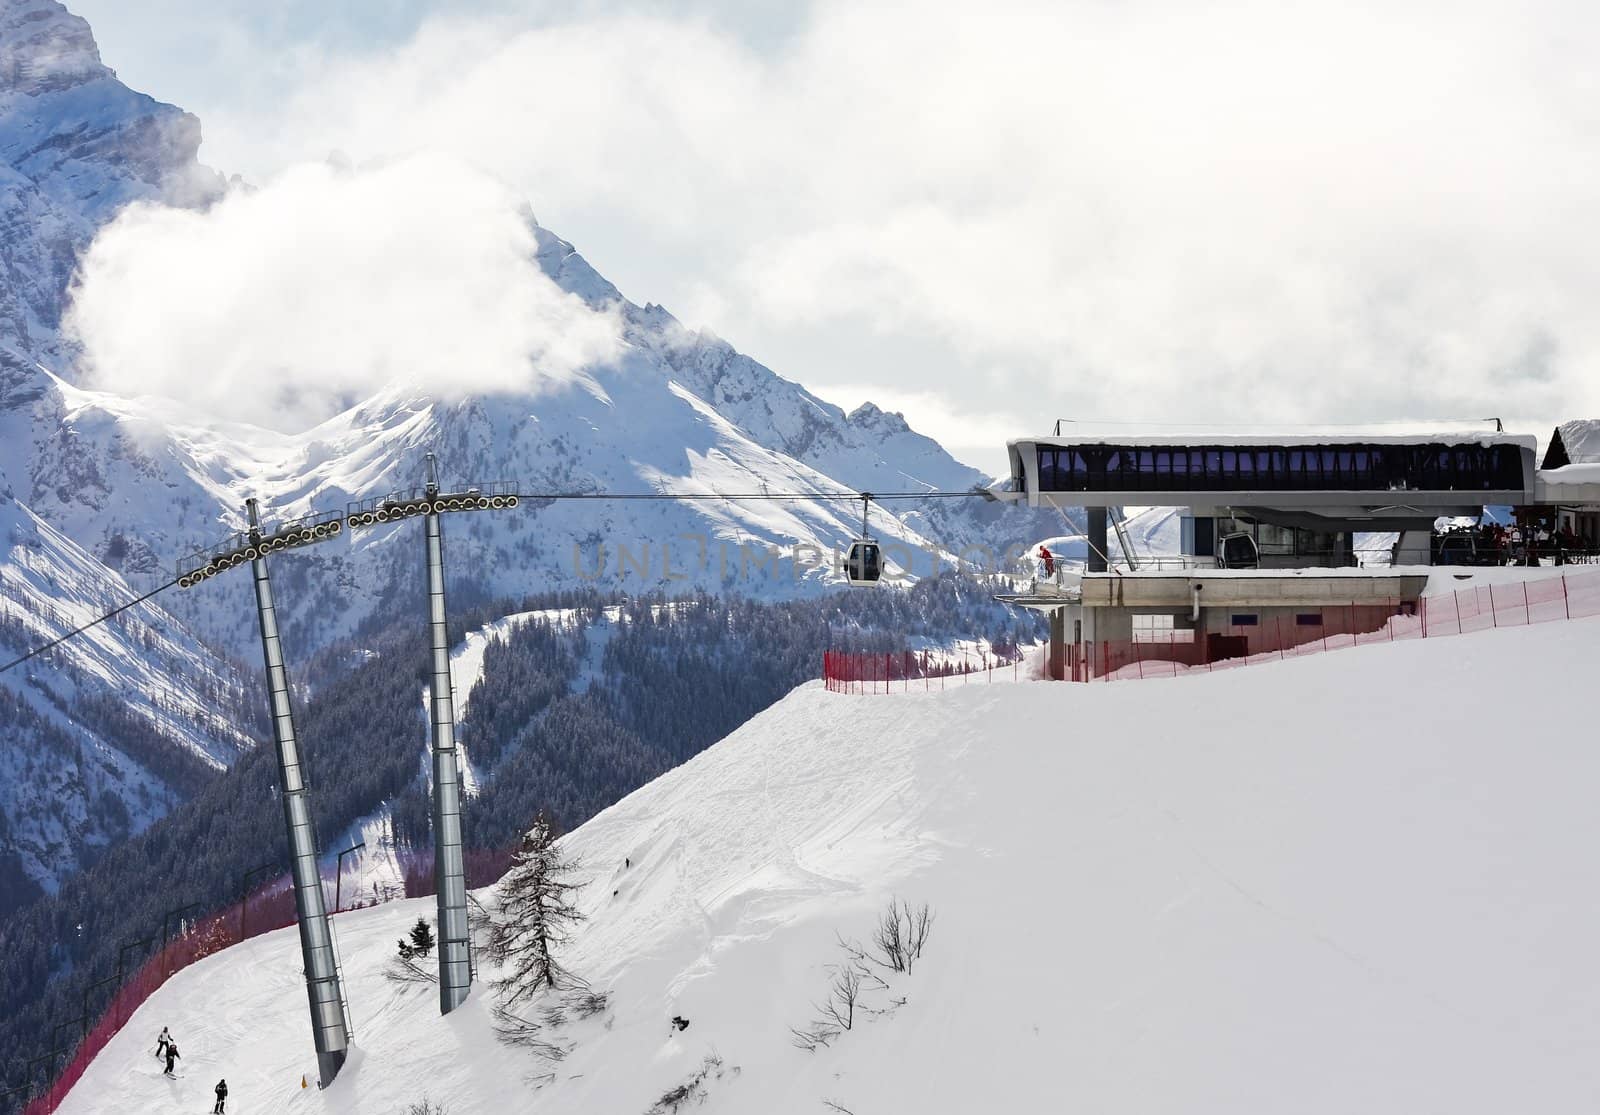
{"points": [[75, 146]]}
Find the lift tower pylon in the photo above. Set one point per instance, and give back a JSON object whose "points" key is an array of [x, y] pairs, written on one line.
{"points": [[449, 868], [328, 1027]]}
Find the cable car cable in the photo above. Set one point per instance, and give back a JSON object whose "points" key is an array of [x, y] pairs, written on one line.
{"points": [[851, 496], [57, 641], [34, 653]]}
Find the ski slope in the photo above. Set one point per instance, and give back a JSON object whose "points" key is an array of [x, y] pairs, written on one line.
{"points": [[1361, 881]]}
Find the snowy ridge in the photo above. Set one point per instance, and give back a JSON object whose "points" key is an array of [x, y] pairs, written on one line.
{"points": [[60, 765], [634, 427], [1194, 918]]}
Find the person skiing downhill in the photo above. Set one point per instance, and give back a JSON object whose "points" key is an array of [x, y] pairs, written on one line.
{"points": [[222, 1097], [172, 1055], [162, 1042]]}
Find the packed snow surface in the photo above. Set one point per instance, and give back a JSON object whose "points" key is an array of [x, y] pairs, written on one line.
{"points": [[1361, 881]]}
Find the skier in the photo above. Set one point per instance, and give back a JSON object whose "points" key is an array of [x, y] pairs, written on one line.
{"points": [[162, 1042], [1049, 561], [172, 1056], [222, 1097]]}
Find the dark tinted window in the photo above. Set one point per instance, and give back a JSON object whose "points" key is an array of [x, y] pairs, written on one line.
{"points": [[1436, 467]]}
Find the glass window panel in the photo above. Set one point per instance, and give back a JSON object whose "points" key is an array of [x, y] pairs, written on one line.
{"points": [[1275, 539], [1361, 474]]}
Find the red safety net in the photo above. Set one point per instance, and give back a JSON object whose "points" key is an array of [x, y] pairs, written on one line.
{"points": [[482, 866], [1168, 654], [267, 909], [904, 671]]}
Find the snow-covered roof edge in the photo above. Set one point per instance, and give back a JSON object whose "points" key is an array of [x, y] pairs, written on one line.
{"points": [[1580, 439], [1133, 437]]}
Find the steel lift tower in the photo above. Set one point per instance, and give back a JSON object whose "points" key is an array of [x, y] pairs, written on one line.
{"points": [[329, 1025], [449, 866]]}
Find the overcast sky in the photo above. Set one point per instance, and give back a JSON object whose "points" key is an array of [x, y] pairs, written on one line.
{"points": [[992, 215]]}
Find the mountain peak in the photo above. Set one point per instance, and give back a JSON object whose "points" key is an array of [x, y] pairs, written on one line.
{"points": [[874, 416], [44, 48]]}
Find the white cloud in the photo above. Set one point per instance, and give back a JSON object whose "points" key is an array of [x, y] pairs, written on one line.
{"points": [[281, 306], [1161, 210]]}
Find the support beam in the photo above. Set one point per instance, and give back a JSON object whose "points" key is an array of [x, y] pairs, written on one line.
{"points": [[328, 1028], [1058, 644], [449, 869], [1097, 539]]}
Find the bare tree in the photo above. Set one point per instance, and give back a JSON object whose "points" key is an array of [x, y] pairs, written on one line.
{"points": [[425, 1106], [693, 1090], [513, 1029], [538, 913], [813, 1037], [587, 1004], [901, 935], [839, 1008], [898, 941], [405, 969]]}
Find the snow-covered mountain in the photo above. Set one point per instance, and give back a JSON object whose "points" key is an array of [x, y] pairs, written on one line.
{"points": [[114, 489], [1198, 917], [75, 146], [138, 482], [105, 734], [108, 731]]}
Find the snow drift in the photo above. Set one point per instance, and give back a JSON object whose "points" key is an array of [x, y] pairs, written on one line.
{"points": [[1360, 881]]}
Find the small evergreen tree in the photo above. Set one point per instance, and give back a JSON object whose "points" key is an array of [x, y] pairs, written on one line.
{"points": [[537, 916], [421, 938], [406, 951]]}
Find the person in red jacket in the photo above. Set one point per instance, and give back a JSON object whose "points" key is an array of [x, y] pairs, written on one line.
{"points": [[1049, 561]]}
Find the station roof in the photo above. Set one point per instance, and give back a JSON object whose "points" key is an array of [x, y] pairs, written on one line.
{"points": [[1575, 442], [1168, 436]]}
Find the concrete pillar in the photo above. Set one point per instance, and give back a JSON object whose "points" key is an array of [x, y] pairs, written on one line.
{"points": [[1058, 644], [328, 1029]]}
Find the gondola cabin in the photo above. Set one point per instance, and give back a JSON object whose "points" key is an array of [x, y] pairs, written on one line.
{"points": [[863, 564], [1239, 551]]}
